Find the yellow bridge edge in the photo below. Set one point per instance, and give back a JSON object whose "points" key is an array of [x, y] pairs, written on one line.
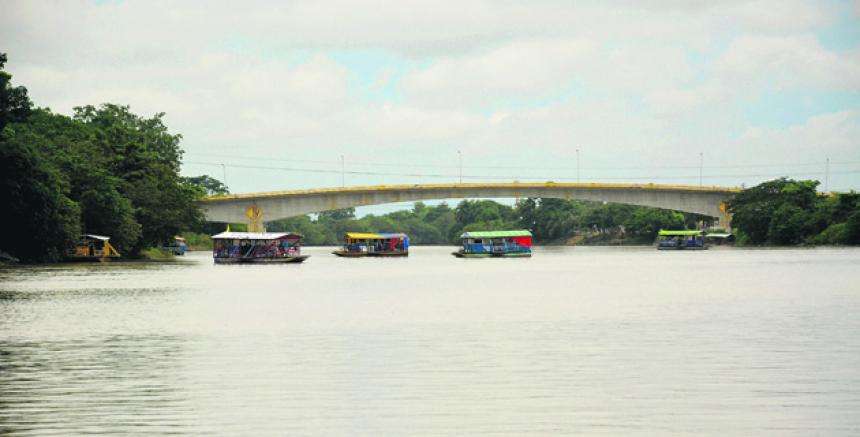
{"points": [[512, 185]]}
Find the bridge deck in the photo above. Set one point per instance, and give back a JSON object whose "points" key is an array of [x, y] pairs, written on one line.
{"points": [[454, 186]]}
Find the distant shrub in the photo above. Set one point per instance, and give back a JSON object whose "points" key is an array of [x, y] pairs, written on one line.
{"points": [[834, 234], [156, 254], [198, 241]]}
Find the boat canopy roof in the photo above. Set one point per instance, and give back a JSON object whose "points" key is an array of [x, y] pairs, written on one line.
{"points": [[496, 234], [253, 235], [373, 236], [719, 235], [683, 233], [96, 237]]}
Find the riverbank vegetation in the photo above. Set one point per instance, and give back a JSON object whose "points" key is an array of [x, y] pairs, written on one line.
{"points": [[103, 170], [553, 221], [790, 212], [777, 213]]}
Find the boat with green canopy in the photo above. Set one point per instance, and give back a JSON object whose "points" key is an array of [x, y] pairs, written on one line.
{"points": [[681, 240], [362, 244], [495, 244]]}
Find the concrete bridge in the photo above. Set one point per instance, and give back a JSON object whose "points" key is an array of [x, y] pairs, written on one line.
{"points": [[257, 208]]}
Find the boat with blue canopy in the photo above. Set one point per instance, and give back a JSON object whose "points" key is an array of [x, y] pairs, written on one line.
{"points": [[494, 244], [681, 240], [362, 244]]}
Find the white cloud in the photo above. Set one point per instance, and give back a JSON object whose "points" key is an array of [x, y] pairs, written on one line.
{"points": [[794, 61], [766, 16], [834, 135], [520, 69], [627, 82]]}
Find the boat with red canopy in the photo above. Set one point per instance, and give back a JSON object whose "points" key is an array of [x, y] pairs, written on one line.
{"points": [[487, 244]]}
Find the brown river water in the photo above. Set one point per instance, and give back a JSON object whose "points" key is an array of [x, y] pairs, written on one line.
{"points": [[611, 341]]}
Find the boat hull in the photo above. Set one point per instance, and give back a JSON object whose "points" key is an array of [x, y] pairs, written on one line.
{"points": [[682, 248], [101, 259], [516, 255], [346, 254], [492, 255], [284, 260], [388, 254]]}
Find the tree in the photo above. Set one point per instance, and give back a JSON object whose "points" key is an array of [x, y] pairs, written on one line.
{"points": [[39, 219], [526, 210], [852, 225], [443, 219], [420, 209], [42, 221], [608, 217], [778, 212], [14, 103], [788, 224], [646, 222], [337, 215], [105, 211], [845, 205], [146, 158], [556, 219], [472, 215], [209, 185]]}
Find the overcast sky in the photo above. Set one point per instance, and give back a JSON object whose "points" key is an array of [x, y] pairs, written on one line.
{"points": [[760, 88]]}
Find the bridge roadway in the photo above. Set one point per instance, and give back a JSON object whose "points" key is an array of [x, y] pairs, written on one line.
{"points": [[256, 208]]}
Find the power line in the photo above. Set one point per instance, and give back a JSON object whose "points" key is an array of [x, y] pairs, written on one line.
{"points": [[509, 177], [505, 167]]}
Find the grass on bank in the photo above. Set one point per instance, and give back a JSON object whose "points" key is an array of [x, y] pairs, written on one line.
{"points": [[197, 241], [157, 254]]}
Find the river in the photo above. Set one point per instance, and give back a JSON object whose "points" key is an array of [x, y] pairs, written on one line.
{"points": [[583, 340]]}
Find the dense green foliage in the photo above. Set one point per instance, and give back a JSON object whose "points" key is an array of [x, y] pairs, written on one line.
{"points": [[14, 103], [104, 170], [210, 185], [42, 219], [553, 221], [198, 241], [787, 212]]}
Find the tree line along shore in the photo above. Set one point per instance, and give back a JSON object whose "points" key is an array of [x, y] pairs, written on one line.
{"points": [[105, 170], [776, 213]]}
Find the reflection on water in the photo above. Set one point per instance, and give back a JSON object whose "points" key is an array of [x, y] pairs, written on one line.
{"points": [[112, 384], [574, 340]]}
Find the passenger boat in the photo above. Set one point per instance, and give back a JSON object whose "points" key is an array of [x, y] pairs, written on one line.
{"points": [[719, 238], [489, 244], [681, 240], [257, 247], [361, 244], [91, 247], [177, 247]]}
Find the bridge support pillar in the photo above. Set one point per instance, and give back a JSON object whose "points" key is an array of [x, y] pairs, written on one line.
{"points": [[725, 217], [255, 219]]}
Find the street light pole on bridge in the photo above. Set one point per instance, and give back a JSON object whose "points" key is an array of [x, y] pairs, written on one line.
{"points": [[701, 164], [460, 159]]}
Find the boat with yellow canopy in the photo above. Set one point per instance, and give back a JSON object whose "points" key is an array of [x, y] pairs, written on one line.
{"points": [[92, 247], [361, 244]]}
